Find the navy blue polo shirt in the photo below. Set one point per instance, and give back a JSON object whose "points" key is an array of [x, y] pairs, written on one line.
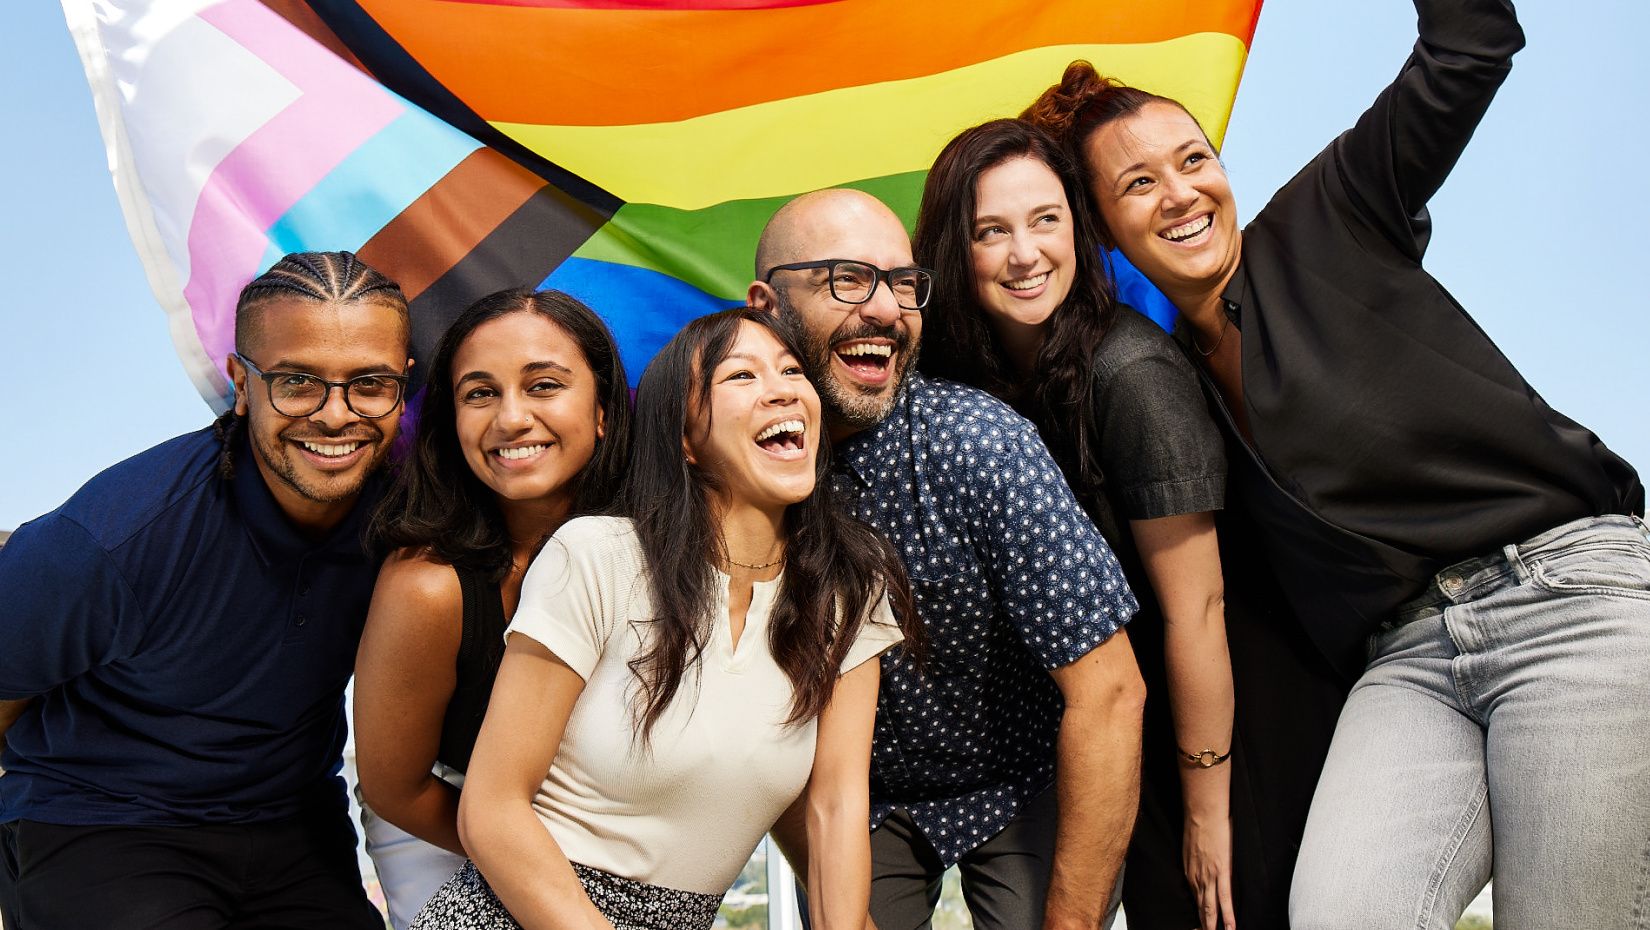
{"points": [[186, 648], [1010, 579]]}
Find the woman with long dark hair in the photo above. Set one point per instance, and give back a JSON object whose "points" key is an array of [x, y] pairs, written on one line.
{"points": [[523, 425], [1476, 560], [678, 677], [1024, 308]]}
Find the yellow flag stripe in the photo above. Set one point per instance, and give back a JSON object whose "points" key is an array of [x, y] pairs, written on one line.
{"points": [[818, 140]]}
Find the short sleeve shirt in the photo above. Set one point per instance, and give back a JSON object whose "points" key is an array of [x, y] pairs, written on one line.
{"points": [[1159, 452], [184, 645], [1011, 579], [721, 762]]}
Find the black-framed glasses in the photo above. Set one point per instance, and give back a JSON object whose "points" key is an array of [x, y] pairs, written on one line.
{"points": [[298, 394], [853, 282]]}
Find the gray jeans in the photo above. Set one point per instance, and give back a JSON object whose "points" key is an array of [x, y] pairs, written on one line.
{"points": [[1501, 729]]}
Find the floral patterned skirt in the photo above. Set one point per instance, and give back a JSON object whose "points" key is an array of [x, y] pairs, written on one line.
{"points": [[467, 902]]}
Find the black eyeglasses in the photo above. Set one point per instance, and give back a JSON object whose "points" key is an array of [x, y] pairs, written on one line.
{"points": [[296, 394], [854, 282]]}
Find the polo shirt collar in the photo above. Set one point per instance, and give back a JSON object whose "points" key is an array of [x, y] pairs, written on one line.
{"points": [[274, 536]]}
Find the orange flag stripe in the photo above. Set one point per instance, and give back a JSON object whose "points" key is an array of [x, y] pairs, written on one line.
{"points": [[621, 67]]}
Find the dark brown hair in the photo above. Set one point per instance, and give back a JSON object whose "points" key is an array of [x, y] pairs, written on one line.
{"points": [[437, 502], [1075, 109], [958, 341], [836, 568]]}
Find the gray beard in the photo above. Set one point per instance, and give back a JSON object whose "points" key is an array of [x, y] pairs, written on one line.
{"points": [[851, 406]]}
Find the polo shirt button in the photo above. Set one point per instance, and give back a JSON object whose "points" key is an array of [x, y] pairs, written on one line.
{"points": [[302, 619]]}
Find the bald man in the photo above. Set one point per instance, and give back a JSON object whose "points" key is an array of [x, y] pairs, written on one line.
{"points": [[1015, 754]]}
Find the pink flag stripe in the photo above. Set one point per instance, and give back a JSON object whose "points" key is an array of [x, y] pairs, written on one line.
{"points": [[256, 184]]}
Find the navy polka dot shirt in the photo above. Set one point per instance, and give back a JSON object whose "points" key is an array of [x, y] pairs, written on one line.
{"points": [[1011, 580]]}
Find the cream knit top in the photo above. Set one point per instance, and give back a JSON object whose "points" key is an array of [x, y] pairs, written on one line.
{"points": [[686, 811]]}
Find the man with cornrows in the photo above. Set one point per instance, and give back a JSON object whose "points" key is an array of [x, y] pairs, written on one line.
{"points": [[178, 635]]}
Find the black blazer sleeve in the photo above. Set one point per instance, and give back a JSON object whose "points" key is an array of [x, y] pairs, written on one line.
{"points": [[1404, 146]]}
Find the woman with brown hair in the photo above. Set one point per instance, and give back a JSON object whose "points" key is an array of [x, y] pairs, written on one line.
{"points": [[1023, 307], [522, 426], [1475, 559], [677, 677]]}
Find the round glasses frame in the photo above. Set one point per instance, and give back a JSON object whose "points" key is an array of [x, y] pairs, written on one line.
{"points": [[286, 407], [922, 283]]}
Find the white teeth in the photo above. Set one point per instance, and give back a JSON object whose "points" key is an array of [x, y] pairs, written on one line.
{"points": [[785, 426], [1026, 284], [1189, 229], [867, 348], [520, 452], [331, 450]]}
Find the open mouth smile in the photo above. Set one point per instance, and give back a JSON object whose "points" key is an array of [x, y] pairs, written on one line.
{"points": [[332, 456], [519, 453], [1028, 283], [870, 362], [1189, 231], [786, 439]]}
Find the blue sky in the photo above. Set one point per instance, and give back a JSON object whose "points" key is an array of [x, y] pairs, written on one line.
{"points": [[1536, 232]]}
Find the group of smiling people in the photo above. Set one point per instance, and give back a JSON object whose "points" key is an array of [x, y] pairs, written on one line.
{"points": [[1311, 611], [1404, 520]]}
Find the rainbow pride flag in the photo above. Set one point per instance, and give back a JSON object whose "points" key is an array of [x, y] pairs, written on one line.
{"points": [[625, 151]]}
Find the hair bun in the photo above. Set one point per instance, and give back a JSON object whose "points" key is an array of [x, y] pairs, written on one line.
{"points": [[1060, 106]]}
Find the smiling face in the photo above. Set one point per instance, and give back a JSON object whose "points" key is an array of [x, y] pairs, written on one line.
{"points": [[1022, 244], [857, 354], [759, 433], [1165, 200], [315, 465], [527, 409]]}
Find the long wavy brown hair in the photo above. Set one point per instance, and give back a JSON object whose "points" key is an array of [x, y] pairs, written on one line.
{"points": [[836, 568], [958, 341]]}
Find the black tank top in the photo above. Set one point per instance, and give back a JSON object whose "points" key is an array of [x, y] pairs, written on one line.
{"points": [[480, 650]]}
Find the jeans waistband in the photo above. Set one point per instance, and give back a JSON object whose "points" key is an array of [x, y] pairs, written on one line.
{"points": [[1475, 578]]}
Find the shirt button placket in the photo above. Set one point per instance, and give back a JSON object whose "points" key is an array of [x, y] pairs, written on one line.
{"points": [[300, 590]]}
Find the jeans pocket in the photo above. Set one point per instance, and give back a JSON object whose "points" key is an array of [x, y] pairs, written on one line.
{"points": [[1613, 567]]}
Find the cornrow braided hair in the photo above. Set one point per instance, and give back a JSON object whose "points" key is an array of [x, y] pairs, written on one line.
{"points": [[323, 277], [227, 427]]}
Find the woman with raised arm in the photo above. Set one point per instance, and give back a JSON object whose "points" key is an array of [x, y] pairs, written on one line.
{"points": [[677, 677], [522, 425], [1023, 308], [1476, 558]]}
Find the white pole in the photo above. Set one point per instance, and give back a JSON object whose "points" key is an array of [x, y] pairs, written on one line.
{"points": [[782, 912]]}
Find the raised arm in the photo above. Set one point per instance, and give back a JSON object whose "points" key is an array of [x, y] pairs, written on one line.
{"points": [[1182, 560], [531, 703], [1404, 146], [837, 804], [405, 673]]}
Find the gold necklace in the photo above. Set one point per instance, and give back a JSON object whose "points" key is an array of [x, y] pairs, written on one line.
{"points": [[1226, 323], [756, 568]]}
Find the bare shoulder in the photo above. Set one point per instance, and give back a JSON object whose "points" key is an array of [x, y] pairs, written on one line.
{"points": [[418, 595]]}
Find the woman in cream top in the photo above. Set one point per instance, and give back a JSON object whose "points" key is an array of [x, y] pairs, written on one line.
{"points": [[677, 678]]}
